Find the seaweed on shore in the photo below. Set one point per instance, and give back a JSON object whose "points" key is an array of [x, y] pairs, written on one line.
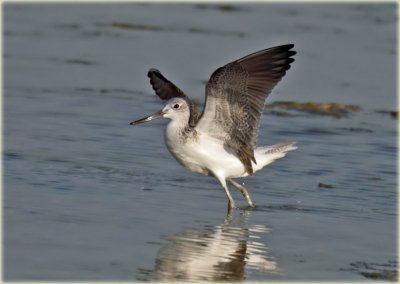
{"points": [[337, 110], [221, 7], [132, 26], [376, 271], [325, 185], [393, 113]]}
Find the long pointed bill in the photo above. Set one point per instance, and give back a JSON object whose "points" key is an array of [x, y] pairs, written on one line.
{"points": [[148, 118]]}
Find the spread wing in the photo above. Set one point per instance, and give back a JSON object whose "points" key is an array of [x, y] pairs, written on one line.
{"points": [[235, 96], [166, 90]]}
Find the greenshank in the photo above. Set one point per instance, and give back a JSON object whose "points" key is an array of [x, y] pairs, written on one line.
{"points": [[222, 140]]}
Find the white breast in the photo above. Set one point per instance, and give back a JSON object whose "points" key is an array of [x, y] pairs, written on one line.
{"points": [[201, 154]]}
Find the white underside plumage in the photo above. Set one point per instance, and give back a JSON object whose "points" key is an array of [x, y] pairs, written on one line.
{"points": [[206, 155]]}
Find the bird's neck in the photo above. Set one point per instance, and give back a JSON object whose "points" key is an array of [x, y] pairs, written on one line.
{"points": [[178, 131], [177, 126]]}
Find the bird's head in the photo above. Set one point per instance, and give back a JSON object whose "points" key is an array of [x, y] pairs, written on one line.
{"points": [[176, 108]]}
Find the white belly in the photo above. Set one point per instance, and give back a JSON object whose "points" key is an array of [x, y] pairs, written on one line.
{"points": [[204, 155]]}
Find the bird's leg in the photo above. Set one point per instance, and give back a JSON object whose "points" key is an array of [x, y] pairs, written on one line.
{"points": [[243, 190], [231, 202]]}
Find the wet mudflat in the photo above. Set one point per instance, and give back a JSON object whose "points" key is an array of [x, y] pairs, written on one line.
{"points": [[88, 197]]}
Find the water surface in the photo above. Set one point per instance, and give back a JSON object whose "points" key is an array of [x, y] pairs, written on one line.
{"points": [[88, 197]]}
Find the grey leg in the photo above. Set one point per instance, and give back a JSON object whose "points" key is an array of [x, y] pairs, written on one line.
{"points": [[243, 190], [231, 202]]}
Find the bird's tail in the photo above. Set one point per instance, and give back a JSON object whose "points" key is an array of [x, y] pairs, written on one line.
{"points": [[267, 154]]}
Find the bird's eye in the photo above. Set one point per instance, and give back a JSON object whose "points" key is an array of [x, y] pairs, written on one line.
{"points": [[176, 106]]}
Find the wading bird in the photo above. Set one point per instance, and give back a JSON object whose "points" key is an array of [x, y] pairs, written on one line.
{"points": [[221, 141]]}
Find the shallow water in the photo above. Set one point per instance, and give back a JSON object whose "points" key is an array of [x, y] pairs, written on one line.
{"points": [[88, 197]]}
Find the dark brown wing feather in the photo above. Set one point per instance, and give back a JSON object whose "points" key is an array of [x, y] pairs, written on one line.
{"points": [[235, 97], [162, 86], [166, 90]]}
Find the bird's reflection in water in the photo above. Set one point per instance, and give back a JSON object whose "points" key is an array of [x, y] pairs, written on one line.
{"points": [[215, 253]]}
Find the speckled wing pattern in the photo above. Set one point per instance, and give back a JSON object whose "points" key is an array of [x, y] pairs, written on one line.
{"points": [[235, 97], [166, 90]]}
